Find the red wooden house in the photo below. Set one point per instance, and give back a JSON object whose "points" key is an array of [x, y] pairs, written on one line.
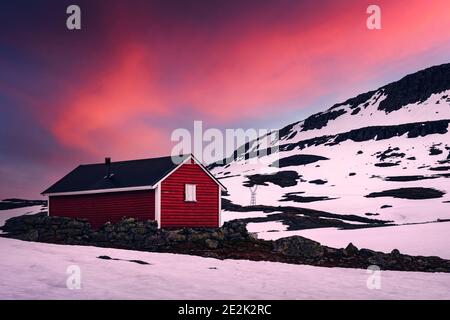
{"points": [[181, 193]]}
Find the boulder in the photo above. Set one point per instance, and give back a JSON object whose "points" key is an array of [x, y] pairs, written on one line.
{"points": [[32, 235], [235, 226], [151, 226], [297, 246], [176, 236], [97, 237], [22, 224], [366, 253], [351, 250], [140, 230], [75, 224], [379, 259], [107, 227], [197, 236], [211, 244], [218, 235]]}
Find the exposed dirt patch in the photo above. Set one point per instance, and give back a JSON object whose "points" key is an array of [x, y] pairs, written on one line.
{"points": [[299, 222], [409, 178], [297, 197], [434, 150], [116, 259], [318, 181], [389, 153], [417, 193], [386, 164], [229, 206], [281, 178], [298, 160], [441, 168]]}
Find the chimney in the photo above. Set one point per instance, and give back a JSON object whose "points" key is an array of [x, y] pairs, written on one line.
{"points": [[108, 167]]}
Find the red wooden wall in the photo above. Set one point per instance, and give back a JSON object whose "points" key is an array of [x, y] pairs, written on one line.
{"points": [[175, 212], [102, 207]]}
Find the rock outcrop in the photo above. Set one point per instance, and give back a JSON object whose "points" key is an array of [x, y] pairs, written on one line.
{"points": [[231, 241], [128, 233]]}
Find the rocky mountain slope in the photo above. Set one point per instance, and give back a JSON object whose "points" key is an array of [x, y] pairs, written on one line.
{"points": [[382, 155]]}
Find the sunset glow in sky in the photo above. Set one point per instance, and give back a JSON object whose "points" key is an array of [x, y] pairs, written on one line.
{"points": [[140, 69]]}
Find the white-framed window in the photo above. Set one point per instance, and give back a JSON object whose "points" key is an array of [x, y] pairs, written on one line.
{"points": [[190, 192]]}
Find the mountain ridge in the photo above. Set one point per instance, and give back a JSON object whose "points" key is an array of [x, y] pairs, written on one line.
{"points": [[421, 93], [391, 139]]}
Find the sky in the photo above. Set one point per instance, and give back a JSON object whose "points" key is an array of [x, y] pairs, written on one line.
{"points": [[137, 70]]}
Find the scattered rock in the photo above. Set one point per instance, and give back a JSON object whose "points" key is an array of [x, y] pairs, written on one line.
{"points": [[176, 235], [139, 262], [351, 250], [318, 181], [212, 244], [32, 235], [434, 151], [134, 261], [389, 153], [297, 246], [104, 257]]}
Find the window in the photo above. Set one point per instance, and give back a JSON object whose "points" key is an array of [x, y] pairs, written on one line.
{"points": [[190, 192]]}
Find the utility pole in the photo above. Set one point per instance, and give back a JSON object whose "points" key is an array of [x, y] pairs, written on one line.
{"points": [[253, 195]]}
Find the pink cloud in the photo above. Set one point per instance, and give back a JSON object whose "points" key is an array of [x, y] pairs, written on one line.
{"points": [[235, 74]]}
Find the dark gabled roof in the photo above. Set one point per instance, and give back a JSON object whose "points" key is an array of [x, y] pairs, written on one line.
{"points": [[124, 174]]}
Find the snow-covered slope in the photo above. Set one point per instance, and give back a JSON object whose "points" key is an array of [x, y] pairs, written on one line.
{"points": [[7, 214], [384, 154]]}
